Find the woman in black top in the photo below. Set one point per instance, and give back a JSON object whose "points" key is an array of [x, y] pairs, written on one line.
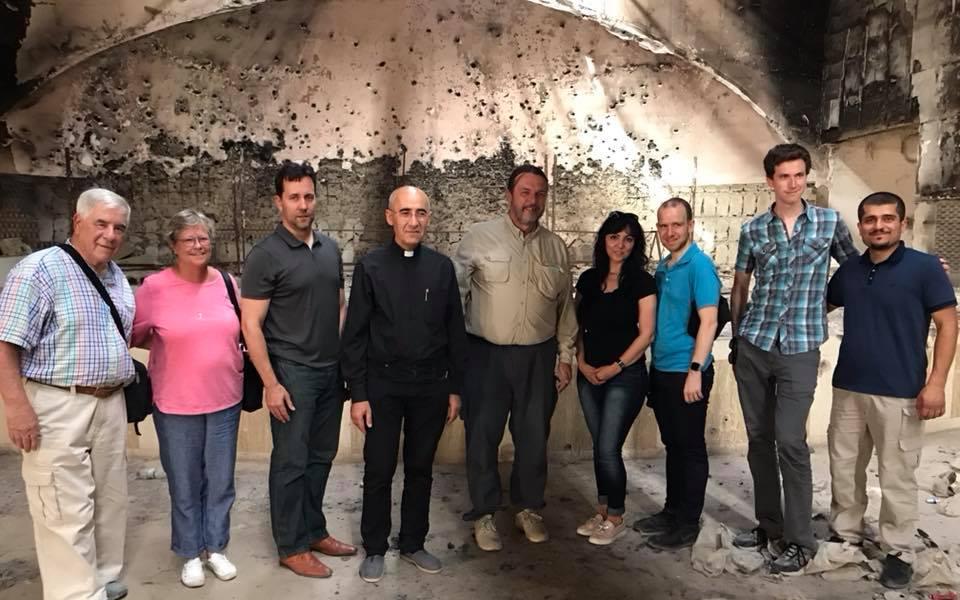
{"points": [[616, 305]]}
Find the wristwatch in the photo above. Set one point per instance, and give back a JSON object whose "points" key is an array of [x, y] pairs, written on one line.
{"points": [[620, 364], [694, 366]]}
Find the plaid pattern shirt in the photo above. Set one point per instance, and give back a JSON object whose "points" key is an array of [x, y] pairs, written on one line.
{"points": [[788, 304], [63, 327]]}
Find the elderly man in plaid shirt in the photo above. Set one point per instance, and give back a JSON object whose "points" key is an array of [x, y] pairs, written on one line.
{"points": [[776, 348], [63, 365]]}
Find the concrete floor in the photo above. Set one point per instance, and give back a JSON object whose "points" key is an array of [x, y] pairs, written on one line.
{"points": [[566, 567]]}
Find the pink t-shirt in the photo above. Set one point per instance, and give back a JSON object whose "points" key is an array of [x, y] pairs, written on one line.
{"points": [[192, 332]]}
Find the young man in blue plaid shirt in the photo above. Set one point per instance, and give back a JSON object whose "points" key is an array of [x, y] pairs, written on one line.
{"points": [[776, 348]]}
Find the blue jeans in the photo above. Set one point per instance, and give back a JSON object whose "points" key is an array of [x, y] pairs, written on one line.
{"points": [[303, 451], [610, 410], [198, 453]]}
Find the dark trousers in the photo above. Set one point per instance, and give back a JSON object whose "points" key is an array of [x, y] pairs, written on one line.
{"points": [[776, 392], [303, 451], [682, 428], [421, 418], [610, 410], [514, 382]]}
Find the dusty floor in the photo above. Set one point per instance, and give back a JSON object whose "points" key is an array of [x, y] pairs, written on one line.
{"points": [[565, 567]]}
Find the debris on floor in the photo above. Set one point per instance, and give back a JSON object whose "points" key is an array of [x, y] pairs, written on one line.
{"points": [[714, 553]]}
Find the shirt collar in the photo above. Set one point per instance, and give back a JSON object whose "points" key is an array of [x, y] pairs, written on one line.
{"points": [[686, 258], [808, 211], [515, 231], [109, 272], [893, 259], [293, 242], [398, 250]]}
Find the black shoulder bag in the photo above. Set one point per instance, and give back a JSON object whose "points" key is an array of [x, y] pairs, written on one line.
{"points": [[252, 384], [723, 317], [138, 393]]}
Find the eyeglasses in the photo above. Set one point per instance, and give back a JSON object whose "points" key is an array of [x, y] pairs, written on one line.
{"points": [[193, 241], [617, 214]]}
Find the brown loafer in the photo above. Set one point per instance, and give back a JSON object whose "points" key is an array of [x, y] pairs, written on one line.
{"points": [[333, 547], [306, 564]]}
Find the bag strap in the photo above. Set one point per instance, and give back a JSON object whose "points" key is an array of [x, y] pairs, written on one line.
{"points": [[95, 280], [233, 300]]}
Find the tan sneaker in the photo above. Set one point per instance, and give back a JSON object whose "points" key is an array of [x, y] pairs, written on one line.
{"points": [[485, 531], [607, 532], [590, 525], [532, 526]]}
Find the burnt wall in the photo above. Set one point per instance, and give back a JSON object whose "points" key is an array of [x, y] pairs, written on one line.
{"points": [[868, 65], [448, 95]]}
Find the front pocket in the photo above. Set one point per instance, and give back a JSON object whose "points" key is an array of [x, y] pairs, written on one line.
{"points": [[814, 249], [42, 494], [767, 258], [548, 280], [495, 268]]}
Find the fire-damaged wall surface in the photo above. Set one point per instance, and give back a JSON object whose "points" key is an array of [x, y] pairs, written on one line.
{"points": [[892, 77], [624, 102], [448, 95]]}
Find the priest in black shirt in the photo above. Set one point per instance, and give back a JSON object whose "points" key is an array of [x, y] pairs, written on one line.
{"points": [[403, 355]]}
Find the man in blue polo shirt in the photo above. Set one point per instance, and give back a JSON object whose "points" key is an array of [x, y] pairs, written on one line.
{"points": [[681, 375], [882, 393]]}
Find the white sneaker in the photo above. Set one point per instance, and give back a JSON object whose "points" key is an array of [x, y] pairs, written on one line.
{"points": [[192, 573], [221, 566], [608, 532], [590, 526]]}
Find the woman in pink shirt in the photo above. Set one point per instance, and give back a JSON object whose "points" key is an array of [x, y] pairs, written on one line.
{"points": [[185, 317]]}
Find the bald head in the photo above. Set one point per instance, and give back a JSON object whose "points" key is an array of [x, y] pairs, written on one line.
{"points": [[408, 192], [408, 212]]}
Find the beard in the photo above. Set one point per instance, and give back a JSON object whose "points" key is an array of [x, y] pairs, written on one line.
{"points": [[889, 243], [297, 222], [882, 245]]}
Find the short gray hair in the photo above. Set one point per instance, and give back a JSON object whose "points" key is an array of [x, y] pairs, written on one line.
{"points": [[189, 218], [99, 196]]}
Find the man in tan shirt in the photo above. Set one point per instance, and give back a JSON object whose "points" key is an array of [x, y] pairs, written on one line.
{"points": [[514, 277]]}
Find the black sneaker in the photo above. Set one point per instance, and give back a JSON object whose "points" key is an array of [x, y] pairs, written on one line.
{"points": [[680, 537], [794, 558], [755, 539], [896, 574], [662, 522]]}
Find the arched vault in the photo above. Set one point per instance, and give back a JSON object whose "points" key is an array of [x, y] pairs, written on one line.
{"points": [[761, 62]]}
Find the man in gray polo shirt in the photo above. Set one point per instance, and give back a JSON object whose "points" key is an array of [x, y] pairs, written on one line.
{"points": [[293, 307]]}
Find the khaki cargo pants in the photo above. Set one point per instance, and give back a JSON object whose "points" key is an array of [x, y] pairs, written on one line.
{"points": [[76, 486], [858, 424]]}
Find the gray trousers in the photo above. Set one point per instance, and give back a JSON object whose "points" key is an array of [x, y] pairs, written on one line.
{"points": [[776, 391], [515, 383]]}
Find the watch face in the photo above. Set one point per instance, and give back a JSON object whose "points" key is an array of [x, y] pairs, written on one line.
{"points": [[694, 366]]}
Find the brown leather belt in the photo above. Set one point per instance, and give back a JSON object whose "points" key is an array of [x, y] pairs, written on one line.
{"points": [[100, 391]]}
